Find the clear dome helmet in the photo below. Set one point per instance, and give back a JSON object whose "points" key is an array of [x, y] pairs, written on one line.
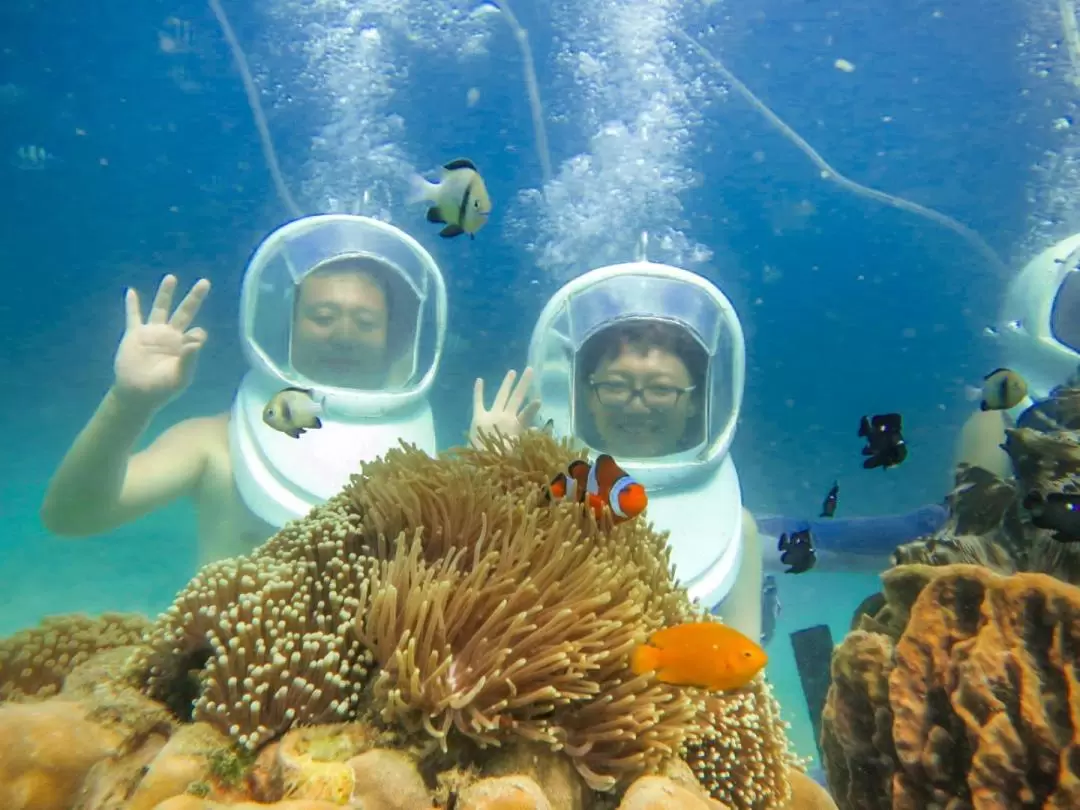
{"points": [[1040, 318], [694, 490], [643, 292], [371, 396]]}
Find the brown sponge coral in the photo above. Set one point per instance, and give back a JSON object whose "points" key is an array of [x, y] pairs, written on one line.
{"points": [[961, 692]]}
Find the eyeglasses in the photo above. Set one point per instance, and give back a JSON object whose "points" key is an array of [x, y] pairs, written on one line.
{"points": [[619, 393]]}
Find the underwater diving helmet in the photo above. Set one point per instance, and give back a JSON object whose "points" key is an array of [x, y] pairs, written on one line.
{"points": [[1040, 318], [279, 477], [693, 487]]}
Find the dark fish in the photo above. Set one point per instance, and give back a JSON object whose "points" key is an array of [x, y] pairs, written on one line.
{"points": [[1058, 512], [770, 609], [828, 507], [870, 606], [797, 551], [885, 443]]}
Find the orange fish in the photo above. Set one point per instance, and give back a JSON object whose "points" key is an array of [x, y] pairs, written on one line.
{"points": [[602, 484], [705, 654]]}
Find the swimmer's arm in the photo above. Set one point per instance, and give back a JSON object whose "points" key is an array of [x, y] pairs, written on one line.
{"points": [[101, 485]]}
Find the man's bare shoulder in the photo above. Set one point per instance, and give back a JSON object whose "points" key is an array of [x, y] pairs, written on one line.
{"points": [[204, 440], [206, 430]]}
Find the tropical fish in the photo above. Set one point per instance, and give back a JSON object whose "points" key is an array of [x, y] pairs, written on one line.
{"points": [[599, 485], [1058, 512], [458, 200], [770, 609], [1001, 390], [828, 506], [31, 158], [709, 655], [797, 551], [293, 411], [885, 443]]}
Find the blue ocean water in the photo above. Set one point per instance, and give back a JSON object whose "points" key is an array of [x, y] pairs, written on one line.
{"points": [[154, 165]]}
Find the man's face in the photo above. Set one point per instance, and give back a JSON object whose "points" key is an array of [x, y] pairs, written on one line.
{"points": [[339, 334]]}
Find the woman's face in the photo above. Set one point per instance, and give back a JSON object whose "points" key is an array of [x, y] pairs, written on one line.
{"points": [[641, 402], [340, 330]]}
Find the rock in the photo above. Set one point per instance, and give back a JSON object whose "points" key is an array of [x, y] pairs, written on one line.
{"points": [[551, 770], [503, 793], [183, 762], [46, 751], [111, 781], [312, 762], [195, 803], [806, 794], [388, 780], [664, 793]]}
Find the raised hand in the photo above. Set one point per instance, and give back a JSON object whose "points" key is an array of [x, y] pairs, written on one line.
{"points": [[156, 358], [509, 414]]}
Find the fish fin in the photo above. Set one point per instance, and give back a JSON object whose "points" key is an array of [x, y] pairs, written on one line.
{"points": [[996, 371], [433, 215], [644, 658], [972, 394], [558, 486], [296, 433], [309, 391], [421, 189], [597, 504], [450, 231], [864, 427], [316, 422], [579, 471], [608, 472], [460, 163], [984, 406], [664, 635]]}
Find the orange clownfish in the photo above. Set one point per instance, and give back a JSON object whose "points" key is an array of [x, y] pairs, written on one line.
{"points": [[709, 655], [602, 484]]}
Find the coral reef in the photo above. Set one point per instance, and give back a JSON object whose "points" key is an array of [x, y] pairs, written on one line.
{"points": [[960, 692], [734, 757], [988, 524], [34, 662], [438, 632], [450, 601]]}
